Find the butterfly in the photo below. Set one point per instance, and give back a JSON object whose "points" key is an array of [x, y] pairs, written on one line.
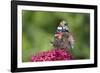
{"points": [[63, 38]]}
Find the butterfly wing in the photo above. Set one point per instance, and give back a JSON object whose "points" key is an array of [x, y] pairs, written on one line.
{"points": [[71, 41]]}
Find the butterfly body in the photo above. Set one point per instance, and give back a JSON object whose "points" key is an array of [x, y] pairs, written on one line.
{"points": [[63, 37]]}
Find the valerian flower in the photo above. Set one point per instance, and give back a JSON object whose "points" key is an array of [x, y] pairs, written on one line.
{"points": [[52, 55]]}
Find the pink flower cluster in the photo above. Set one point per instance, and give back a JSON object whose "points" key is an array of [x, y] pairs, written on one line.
{"points": [[52, 55]]}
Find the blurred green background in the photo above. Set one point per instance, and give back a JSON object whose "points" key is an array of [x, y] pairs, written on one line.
{"points": [[38, 30]]}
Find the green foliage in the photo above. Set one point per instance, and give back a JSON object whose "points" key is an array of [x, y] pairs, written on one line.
{"points": [[38, 30]]}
